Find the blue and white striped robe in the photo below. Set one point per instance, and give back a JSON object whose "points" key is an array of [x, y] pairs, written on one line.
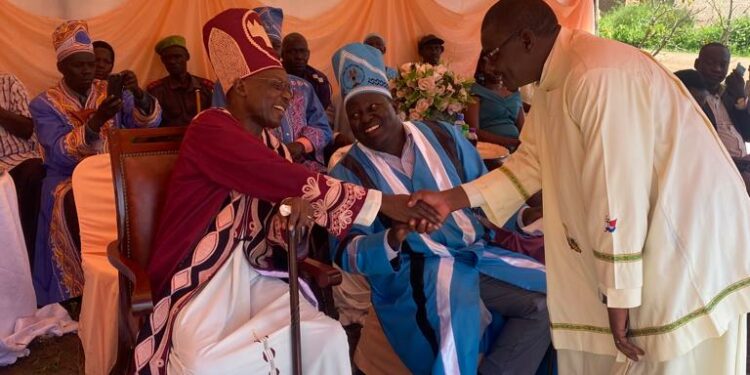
{"points": [[427, 298]]}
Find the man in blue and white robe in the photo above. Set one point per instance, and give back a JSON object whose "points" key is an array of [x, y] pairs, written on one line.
{"points": [[430, 290]]}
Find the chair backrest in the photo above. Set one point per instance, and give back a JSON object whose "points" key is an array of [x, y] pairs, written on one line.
{"points": [[142, 163], [94, 193]]}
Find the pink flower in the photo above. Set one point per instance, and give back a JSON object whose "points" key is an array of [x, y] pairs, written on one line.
{"points": [[441, 69], [427, 84], [422, 105], [414, 115], [400, 94], [405, 67]]}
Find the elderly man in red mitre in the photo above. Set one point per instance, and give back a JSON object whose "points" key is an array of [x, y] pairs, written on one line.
{"points": [[220, 306]]}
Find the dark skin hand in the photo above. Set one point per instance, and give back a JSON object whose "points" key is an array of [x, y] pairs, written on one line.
{"points": [[443, 202], [420, 217], [130, 82], [735, 85], [301, 217], [397, 234], [618, 323], [20, 126], [532, 214], [107, 110], [296, 149]]}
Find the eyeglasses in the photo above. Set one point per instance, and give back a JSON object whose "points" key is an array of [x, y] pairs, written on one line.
{"points": [[492, 55], [277, 84]]}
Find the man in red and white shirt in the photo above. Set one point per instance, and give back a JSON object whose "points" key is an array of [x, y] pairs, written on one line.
{"points": [[19, 155]]}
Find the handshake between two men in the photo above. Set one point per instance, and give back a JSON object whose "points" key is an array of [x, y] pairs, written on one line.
{"points": [[421, 212]]}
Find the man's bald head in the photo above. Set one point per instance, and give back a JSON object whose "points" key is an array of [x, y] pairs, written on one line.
{"points": [[517, 37], [512, 15], [294, 38], [295, 54]]}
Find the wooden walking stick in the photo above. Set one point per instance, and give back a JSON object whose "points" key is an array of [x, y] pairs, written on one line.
{"points": [[293, 240]]}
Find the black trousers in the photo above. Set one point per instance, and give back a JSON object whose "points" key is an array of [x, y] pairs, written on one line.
{"points": [[525, 337], [27, 177]]}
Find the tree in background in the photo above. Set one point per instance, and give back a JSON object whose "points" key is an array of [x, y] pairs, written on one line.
{"points": [[678, 25], [726, 13]]}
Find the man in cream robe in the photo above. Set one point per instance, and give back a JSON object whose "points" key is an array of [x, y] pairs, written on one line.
{"points": [[646, 216]]}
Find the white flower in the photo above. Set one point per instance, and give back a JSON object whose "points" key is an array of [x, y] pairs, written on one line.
{"points": [[455, 107], [405, 68]]}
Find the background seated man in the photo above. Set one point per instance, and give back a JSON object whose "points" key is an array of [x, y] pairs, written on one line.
{"points": [[71, 121], [304, 129], [694, 82], [430, 291], [430, 49], [19, 155], [181, 94], [220, 304], [727, 102], [105, 59], [376, 41], [295, 56]]}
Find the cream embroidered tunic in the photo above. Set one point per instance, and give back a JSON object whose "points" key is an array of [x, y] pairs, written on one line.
{"points": [[643, 206]]}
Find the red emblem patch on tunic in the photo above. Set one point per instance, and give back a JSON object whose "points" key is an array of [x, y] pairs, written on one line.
{"points": [[611, 225]]}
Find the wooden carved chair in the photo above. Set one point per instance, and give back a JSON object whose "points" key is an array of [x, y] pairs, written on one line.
{"points": [[142, 162]]}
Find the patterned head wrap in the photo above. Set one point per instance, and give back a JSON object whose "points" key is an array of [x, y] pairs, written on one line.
{"points": [[360, 68], [71, 37], [238, 46]]}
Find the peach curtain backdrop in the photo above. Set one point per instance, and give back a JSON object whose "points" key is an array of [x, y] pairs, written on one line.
{"points": [[134, 26]]}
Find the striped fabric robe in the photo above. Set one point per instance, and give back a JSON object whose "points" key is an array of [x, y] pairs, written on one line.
{"points": [[427, 298]]}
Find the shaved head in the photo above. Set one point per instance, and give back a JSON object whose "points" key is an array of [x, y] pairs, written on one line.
{"points": [[510, 15], [517, 37], [294, 38]]}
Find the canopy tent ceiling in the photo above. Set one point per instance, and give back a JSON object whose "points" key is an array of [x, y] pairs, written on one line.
{"points": [[134, 26]]}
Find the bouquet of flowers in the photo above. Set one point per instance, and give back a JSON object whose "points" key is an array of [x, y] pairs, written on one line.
{"points": [[434, 92]]}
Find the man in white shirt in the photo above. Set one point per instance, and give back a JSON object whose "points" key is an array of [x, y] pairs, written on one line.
{"points": [[647, 266]]}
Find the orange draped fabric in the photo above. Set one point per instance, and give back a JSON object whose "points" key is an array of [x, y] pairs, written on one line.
{"points": [[136, 25]]}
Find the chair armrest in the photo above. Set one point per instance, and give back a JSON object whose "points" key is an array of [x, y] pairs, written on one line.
{"points": [[324, 275], [140, 297]]}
